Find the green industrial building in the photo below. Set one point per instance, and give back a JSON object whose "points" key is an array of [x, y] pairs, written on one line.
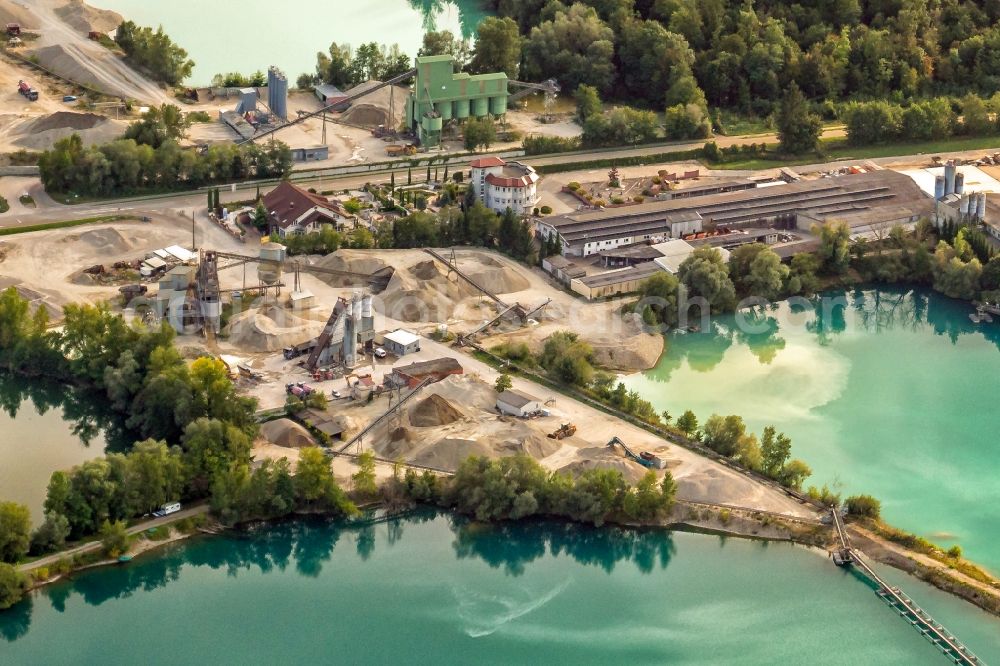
{"points": [[440, 95]]}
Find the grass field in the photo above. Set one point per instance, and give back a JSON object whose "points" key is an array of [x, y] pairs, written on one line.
{"points": [[838, 149], [10, 231]]}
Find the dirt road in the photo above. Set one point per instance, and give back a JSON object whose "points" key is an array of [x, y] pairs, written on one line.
{"points": [[91, 546], [90, 62]]}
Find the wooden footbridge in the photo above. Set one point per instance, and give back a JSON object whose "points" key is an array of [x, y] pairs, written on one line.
{"points": [[918, 618]]}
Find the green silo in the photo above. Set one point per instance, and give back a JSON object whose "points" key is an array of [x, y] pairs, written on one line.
{"points": [[439, 95]]}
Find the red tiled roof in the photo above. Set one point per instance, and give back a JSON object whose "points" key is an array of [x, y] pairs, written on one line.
{"points": [[287, 203], [484, 162], [500, 181]]}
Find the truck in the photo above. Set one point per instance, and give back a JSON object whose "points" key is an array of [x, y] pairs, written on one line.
{"points": [[167, 509], [25, 89], [299, 390]]}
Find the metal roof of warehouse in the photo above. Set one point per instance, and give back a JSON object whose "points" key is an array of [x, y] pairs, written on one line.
{"points": [[638, 272], [845, 193]]}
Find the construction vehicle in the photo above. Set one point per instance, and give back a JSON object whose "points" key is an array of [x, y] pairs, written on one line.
{"points": [[25, 89], [564, 431], [321, 374], [298, 350], [14, 29], [299, 390], [645, 458], [396, 149]]}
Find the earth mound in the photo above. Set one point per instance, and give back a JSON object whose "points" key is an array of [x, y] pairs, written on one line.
{"points": [[433, 411], [604, 458], [287, 433], [449, 453], [366, 115], [532, 445], [108, 240], [500, 280], [85, 18], [270, 329], [67, 120]]}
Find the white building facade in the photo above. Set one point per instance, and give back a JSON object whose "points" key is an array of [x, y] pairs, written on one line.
{"points": [[501, 185]]}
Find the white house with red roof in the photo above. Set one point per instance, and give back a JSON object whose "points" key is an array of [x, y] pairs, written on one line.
{"points": [[292, 210], [501, 185]]}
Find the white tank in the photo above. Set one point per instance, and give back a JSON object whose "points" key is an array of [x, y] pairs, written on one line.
{"points": [[356, 307], [963, 205], [981, 206], [366, 302]]}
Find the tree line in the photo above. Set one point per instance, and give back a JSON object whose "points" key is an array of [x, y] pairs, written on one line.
{"points": [[125, 166], [152, 51], [517, 487], [461, 220]]}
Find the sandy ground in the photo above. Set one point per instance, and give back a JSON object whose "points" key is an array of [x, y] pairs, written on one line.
{"points": [[455, 418], [63, 46], [45, 265]]}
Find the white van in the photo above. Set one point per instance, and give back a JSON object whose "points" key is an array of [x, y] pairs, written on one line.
{"points": [[167, 509]]}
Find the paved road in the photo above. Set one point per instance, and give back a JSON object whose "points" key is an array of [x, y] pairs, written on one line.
{"points": [[325, 180], [135, 529]]}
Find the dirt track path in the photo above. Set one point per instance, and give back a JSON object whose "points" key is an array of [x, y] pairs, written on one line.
{"points": [[108, 70]]}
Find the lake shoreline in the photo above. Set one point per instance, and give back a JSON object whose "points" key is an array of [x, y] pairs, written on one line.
{"points": [[705, 521]]}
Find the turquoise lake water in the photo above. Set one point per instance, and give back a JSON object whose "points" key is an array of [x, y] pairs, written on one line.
{"points": [[895, 395], [435, 590], [253, 34]]}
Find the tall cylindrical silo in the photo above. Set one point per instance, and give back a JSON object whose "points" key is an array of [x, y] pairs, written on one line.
{"points": [[959, 183], [938, 187], [461, 109], [366, 305], [498, 105], [480, 107], [949, 178], [981, 206]]}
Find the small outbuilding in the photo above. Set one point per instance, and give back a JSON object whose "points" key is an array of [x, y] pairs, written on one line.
{"points": [[436, 369], [401, 342], [515, 403]]}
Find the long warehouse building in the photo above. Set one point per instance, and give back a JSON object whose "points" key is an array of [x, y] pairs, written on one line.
{"points": [[861, 200]]}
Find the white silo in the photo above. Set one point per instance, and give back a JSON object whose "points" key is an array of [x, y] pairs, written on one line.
{"points": [[366, 302], [981, 206]]}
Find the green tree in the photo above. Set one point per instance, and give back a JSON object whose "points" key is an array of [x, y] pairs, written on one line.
{"points": [[364, 478], [794, 473], [498, 47], [575, 46], [114, 538], [51, 534], [658, 294], [705, 274], [315, 487], [723, 434], [15, 531], [154, 53], [776, 449], [503, 383], [834, 251], [687, 422], [13, 585], [863, 506], [798, 129], [479, 133], [588, 102]]}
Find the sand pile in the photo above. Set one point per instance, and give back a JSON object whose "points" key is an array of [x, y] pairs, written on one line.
{"points": [[287, 433], [605, 459], [42, 133], [11, 12], [628, 353], [433, 411], [85, 18], [450, 452], [269, 329], [380, 100], [533, 445], [423, 292], [366, 115], [468, 391], [67, 120], [500, 280], [106, 241]]}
